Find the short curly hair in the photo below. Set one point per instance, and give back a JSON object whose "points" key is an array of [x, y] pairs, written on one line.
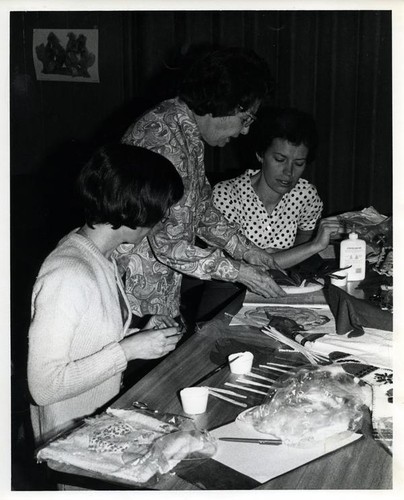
{"points": [[126, 185], [225, 80], [291, 124]]}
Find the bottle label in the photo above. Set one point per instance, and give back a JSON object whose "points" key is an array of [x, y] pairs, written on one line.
{"points": [[355, 260], [355, 257]]}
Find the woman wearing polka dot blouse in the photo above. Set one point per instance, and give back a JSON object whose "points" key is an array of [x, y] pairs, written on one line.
{"points": [[277, 209]]}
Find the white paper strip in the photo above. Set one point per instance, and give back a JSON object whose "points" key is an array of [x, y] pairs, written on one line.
{"points": [[237, 386], [251, 382], [229, 400], [230, 393], [260, 377], [274, 368]]}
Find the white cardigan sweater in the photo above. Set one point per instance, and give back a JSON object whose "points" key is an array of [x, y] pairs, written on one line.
{"points": [[75, 362]]}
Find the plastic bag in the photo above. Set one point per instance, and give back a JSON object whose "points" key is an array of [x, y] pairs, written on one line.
{"points": [[374, 228], [165, 453], [180, 445], [130, 445], [311, 406]]}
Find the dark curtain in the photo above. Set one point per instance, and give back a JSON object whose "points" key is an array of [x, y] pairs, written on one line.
{"points": [[333, 64]]}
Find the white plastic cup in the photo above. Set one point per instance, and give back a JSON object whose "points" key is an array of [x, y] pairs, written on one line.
{"points": [[340, 281], [194, 400], [242, 364]]}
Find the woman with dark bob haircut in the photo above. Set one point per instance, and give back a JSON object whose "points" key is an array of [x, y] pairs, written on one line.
{"points": [[138, 187], [80, 339], [277, 209], [217, 100]]}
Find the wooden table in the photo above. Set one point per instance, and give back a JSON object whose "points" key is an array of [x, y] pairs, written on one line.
{"points": [[363, 464]]}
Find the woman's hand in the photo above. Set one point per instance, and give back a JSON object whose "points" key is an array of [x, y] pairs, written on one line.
{"points": [[259, 281], [150, 344], [327, 228], [261, 258], [160, 321]]}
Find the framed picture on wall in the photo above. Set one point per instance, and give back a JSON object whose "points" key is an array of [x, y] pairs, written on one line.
{"points": [[66, 55]]}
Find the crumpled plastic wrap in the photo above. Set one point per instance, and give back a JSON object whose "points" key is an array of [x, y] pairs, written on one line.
{"points": [[312, 405], [131, 445], [371, 226]]}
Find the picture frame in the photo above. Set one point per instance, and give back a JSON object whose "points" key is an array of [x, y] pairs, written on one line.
{"points": [[66, 55]]}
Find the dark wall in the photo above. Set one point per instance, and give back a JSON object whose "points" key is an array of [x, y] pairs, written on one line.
{"points": [[333, 64], [50, 117]]}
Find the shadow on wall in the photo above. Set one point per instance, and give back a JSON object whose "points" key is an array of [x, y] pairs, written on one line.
{"points": [[44, 208], [162, 84]]}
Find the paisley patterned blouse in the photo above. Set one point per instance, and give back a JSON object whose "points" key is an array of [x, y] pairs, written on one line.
{"points": [[153, 269]]}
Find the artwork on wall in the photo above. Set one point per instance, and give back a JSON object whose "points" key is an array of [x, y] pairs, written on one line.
{"points": [[66, 55]]}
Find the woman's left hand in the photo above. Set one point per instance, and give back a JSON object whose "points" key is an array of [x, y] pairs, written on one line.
{"points": [[261, 258], [327, 228], [159, 321]]}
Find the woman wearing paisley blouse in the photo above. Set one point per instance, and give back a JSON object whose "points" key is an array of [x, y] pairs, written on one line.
{"points": [[217, 101], [276, 209]]}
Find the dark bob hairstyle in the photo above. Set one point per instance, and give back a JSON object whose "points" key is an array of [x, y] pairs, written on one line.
{"points": [[128, 186], [225, 80], [293, 125]]}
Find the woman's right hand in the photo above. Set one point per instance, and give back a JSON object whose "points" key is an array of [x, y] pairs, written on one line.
{"points": [[259, 281], [150, 344], [327, 228]]}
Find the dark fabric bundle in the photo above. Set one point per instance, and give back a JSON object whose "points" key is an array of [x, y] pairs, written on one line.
{"points": [[311, 270], [352, 314]]}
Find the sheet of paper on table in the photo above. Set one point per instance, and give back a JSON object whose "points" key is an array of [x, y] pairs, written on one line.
{"points": [[265, 462], [243, 317]]}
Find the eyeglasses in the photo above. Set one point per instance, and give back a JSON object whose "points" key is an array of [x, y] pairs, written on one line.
{"points": [[249, 119]]}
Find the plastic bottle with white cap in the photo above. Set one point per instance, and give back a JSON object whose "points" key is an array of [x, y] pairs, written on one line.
{"points": [[353, 253]]}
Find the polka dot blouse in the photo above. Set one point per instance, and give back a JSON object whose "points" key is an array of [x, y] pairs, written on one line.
{"points": [[298, 209]]}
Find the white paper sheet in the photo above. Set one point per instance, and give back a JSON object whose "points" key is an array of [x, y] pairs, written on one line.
{"points": [[241, 318], [374, 347], [265, 462]]}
